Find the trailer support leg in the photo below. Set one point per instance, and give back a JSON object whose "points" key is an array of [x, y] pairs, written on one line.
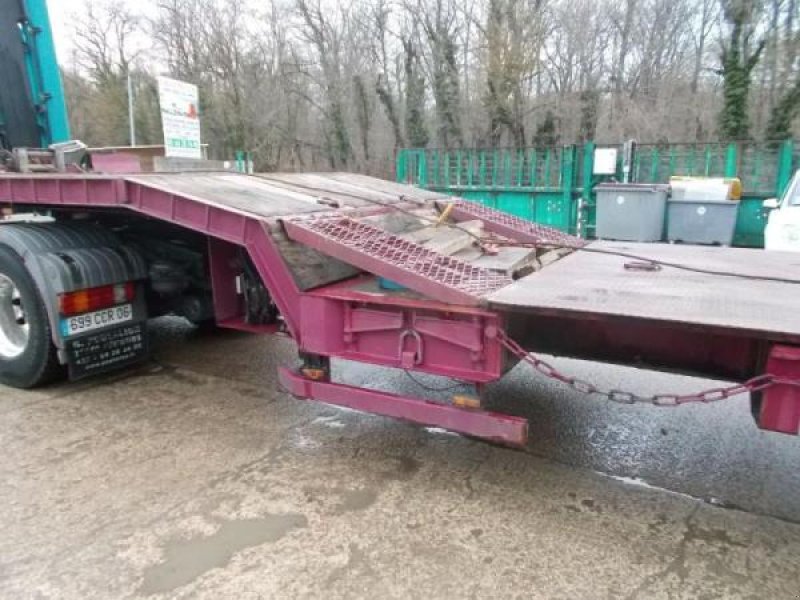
{"points": [[503, 429]]}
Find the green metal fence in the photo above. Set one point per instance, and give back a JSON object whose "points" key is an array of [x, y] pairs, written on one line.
{"points": [[555, 186]]}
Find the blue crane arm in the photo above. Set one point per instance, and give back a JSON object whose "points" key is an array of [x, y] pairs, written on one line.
{"points": [[33, 110]]}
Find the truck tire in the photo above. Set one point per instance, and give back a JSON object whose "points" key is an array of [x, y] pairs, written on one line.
{"points": [[28, 357]]}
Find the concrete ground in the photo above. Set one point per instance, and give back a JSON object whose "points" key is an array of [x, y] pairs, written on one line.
{"points": [[194, 477]]}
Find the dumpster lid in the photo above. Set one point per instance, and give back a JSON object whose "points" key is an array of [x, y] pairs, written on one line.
{"points": [[711, 189], [632, 187]]}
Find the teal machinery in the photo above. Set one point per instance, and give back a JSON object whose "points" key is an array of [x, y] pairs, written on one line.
{"points": [[33, 112]]}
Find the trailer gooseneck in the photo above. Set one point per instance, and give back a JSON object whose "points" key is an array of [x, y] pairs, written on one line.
{"points": [[362, 269]]}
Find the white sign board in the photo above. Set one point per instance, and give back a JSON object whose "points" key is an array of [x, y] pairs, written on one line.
{"points": [[605, 161], [180, 118]]}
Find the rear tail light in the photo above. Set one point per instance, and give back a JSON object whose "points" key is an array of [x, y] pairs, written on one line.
{"points": [[74, 303]]}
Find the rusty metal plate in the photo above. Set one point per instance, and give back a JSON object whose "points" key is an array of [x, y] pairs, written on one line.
{"points": [[598, 285]]}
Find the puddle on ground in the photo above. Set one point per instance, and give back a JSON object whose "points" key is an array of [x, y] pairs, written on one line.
{"points": [[353, 500], [407, 467], [186, 560]]}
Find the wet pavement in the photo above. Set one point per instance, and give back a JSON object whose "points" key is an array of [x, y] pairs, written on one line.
{"points": [[195, 477]]}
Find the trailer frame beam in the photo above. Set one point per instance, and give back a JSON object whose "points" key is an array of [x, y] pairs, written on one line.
{"points": [[495, 427]]}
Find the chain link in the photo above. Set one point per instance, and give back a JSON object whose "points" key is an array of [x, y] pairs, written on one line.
{"points": [[756, 384]]}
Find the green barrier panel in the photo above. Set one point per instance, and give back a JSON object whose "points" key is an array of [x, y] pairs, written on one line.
{"points": [[520, 204], [750, 222], [555, 186]]}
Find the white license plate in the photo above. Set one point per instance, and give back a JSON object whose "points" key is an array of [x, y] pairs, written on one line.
{"points": [[96, 320]]}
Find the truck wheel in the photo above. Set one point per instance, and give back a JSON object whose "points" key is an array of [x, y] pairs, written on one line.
{"points": [[27, 355]]}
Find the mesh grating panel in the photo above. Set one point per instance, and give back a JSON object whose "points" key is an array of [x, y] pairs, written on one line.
{"points": [[421, 265], [528, 231]]}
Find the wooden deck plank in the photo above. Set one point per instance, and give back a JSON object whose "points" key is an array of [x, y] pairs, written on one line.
{"points": [[348, 191], [240, 192]]}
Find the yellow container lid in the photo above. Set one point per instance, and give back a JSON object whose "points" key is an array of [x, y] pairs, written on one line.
{"points": [[734, 183]]}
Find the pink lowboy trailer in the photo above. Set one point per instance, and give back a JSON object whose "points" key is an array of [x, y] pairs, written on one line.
{"points": [[366, 270]]}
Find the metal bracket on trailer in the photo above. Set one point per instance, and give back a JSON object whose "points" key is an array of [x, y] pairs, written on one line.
{"points": [[780, 406]]}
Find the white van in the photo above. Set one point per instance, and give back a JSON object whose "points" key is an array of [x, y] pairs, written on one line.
{"points": [[783, 226]]}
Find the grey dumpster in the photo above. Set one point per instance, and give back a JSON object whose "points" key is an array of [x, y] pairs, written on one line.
{"points": [[631, 212], [700, 212]]}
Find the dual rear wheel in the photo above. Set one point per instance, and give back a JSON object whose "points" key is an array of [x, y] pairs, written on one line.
{"points": [[27, 355]]}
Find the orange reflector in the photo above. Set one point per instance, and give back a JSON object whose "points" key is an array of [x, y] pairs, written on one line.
{"points": [[81, 301], [470, 402], [313, 374]]}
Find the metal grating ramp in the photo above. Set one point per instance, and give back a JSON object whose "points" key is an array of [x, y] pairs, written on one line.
{"points": [[438, 276], [513, 227]]}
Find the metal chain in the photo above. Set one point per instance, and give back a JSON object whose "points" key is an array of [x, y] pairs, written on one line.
{"points": [[756, 384]]}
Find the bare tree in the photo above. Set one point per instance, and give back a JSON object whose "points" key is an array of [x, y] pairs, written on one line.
{"points": [[739, 56], [324, 33], [106, 53], [708, 16], [335, 84], [514, 37], [386, 85], [440, 24], [103, 33]]}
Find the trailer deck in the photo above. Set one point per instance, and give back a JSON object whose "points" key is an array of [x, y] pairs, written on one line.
{"points": [[324, 245], [594, 285], [279, 195]]}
